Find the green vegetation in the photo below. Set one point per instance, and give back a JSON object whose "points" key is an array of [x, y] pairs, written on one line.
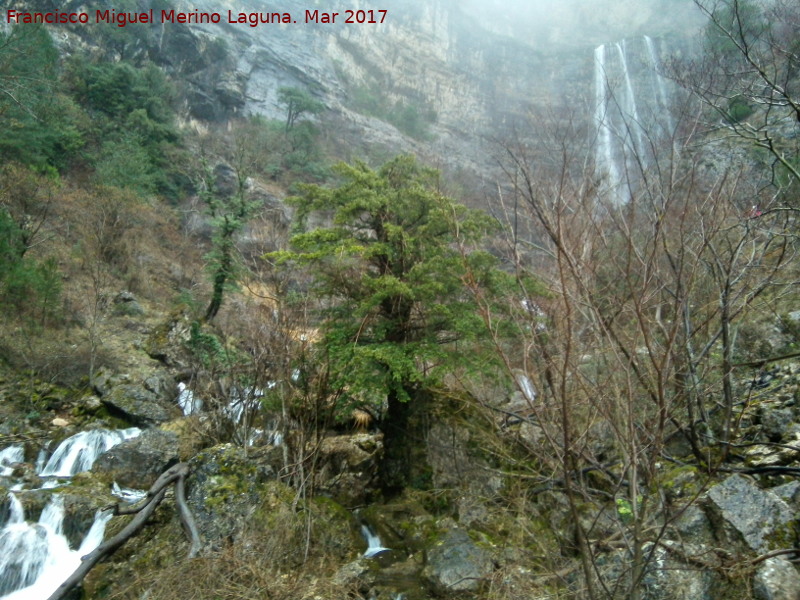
{"points": [[39, 119], [297, 103], [392, 268]]}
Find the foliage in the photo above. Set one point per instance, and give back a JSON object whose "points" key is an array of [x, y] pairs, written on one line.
{"points": [[133, 130], [229, 208], [39, 120], [391, 266], [732, 19], [297, 103], [739, 109], [409, 116]]}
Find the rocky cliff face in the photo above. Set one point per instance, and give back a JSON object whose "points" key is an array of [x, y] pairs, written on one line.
{"points": [[467, 70]]}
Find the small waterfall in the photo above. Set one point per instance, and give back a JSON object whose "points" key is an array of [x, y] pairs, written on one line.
{"points": [[526, 386], [128, 494], [374, 545], [187, 400], [9, 457], [35, 557], [631, 112], [78, 453]]}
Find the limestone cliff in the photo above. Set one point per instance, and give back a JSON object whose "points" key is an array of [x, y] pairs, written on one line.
{"points": [[465, 70]]}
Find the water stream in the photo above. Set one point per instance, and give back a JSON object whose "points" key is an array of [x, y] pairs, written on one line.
{"points": [[35, 557], [374, 545]]}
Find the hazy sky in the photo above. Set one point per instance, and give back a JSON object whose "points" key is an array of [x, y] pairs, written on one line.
{"points": [[584, 22]]}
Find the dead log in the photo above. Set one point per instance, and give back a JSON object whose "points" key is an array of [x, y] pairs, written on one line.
{"points": [[175, 475]]}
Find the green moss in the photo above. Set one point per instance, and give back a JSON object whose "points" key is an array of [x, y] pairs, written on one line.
{"points": [[680, 481], [784, 537]]}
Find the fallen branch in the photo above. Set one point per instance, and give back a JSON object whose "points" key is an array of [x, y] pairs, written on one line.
{"points": [[174, 475]]}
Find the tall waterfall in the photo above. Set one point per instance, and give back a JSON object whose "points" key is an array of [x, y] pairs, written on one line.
{"points": [[631, 112]]}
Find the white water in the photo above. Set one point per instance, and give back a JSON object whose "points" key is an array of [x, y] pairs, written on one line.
{"points": [[605, 163], [631, 112], [35, 557], [128, 494], [78, 453], [9, 457], [526, 387], [374, 545], [189, 403], [660, 84]]}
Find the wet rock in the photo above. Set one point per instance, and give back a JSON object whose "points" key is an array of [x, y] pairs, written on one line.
{"points": [[455, 563], [741, 511], [138, 405], [137, 463], [354, 574], [776, 579], [348, 467]]}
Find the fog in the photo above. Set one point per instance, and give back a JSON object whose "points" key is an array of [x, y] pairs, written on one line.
{"points": [[563, 24]]}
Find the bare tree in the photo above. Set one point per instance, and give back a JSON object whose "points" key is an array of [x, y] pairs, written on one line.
{"points": [[637, 336], [748, 75]]}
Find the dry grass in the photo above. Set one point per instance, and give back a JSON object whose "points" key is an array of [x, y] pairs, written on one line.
{"points": [[270, 559]]}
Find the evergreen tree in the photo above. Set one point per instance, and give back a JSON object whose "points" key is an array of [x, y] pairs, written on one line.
{"points": [[391, 267]]}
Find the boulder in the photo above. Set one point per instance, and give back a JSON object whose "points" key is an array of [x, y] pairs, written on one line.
{"points": [[348, 467], [776, 579], [223, 487], [137, 463], [741, 511], [138, 405], [167, 342], [456, 564]]}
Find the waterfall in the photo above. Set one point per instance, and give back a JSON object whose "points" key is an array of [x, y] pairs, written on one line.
{"points": [[631, 112], [526, 386], [628, 109], [78, 453], [188, 402], [660, 84], [604, 159], [35, 557], [374, 545], [9, 457]]}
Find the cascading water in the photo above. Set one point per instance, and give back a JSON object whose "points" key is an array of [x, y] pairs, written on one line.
{"points": [[36, 557], [187, 400], [9, 457], [78, 453], [631, 113], [374, 545]]}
